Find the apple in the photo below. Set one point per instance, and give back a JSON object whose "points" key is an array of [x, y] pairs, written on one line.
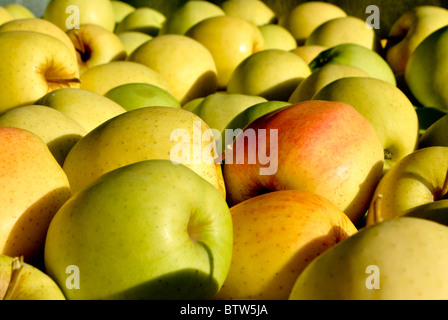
{"points": [[183, 62], [409, 30], [434, 211], [23, 281], [70, 14], [5, 15], [121, 10], [427, 116], [275, 236], [358, 56], [192, 104], [34, 187], [230, 40], [398, 259], [308, 53], [85, 107], [349, 29], [157, 133], [138, 95], [270, 73], [387, 108], [96, 45], [426, 70], [33, 64], [435, 134], [320, 78], [131, 40], [254, 11], [102, 78], [304, 17], [417, 179], [304, 143], [38, 25], [158, 230], [142, 19], [19, 11], [58, 131], [277, 37], [190, 13]]}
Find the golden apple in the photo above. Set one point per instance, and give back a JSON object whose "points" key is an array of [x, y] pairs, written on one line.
{"points": [[254, 11]]}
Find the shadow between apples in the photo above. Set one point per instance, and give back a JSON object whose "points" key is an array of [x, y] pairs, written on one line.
{"points": [[205, 84], [61, 146]]}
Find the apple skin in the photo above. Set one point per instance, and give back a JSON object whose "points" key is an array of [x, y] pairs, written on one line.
{"points": [[308, 53], [154, 238], [409, 30], [436, 133], [417, 179], [131, 40], [186, 65], [254, 11], [121, 10], [403, 250], [357, 56], [98, 12], [434, 211], [22, 281], [230, 40], [46, 64], [33, 178], [275, 236], [142, 19], [5, 15], [112, 145], [277, 37], [426, 78], [347, 178], [19, 11], [271, 73], [387, 108], [139, 95]]}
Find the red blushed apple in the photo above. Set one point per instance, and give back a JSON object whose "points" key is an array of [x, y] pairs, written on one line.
{"points": [[324, 147]]}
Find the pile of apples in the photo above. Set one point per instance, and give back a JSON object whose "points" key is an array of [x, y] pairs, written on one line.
{"points": [[223, 151]]}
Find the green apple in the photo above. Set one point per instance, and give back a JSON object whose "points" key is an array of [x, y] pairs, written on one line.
{"points": [[324, 147], [33, 64], [183, 62], [157, 133], [190, 13], [23, 281], [387, 108], [138, 95], [230, 40], [270, 73], [142, 19], [358, 56], [409, 30], [121, 10], [275, 236], [158, 230], [254, 11], [304, 17], [349, 29], [277, 37], [427, 68], [132, 40], [320, 78], [96, 45], [19, 11], [308, 53], [399, 259], [87, 108], [192, 104], [57, 130], [5, 15], [34, 187], [417, 179], [102, 78], [436, 133], [70, 14]]}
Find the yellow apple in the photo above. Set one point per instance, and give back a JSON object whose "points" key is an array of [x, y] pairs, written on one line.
{"points": [[31, 65], [155, 134], [87, 108], [19, 11], [142, 19], [5, 15], [271, 73], [277, 37], [121, 10], [308, 53], [409, 30], [275, 236], [307, 16], [230, 40], [132, 40], [100, 79], [183, 62], [34, 187], [96, 45], [254, 11], [70, 14]]}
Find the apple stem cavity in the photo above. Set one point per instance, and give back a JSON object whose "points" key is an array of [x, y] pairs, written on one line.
{"points": [[17, 267]]}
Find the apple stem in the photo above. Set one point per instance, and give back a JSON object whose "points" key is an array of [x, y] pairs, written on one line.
{"points": [[377, 209], [17, 267]]}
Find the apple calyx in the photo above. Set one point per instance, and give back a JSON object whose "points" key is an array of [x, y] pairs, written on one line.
{"points": [[7, 289], [83, 51]]}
